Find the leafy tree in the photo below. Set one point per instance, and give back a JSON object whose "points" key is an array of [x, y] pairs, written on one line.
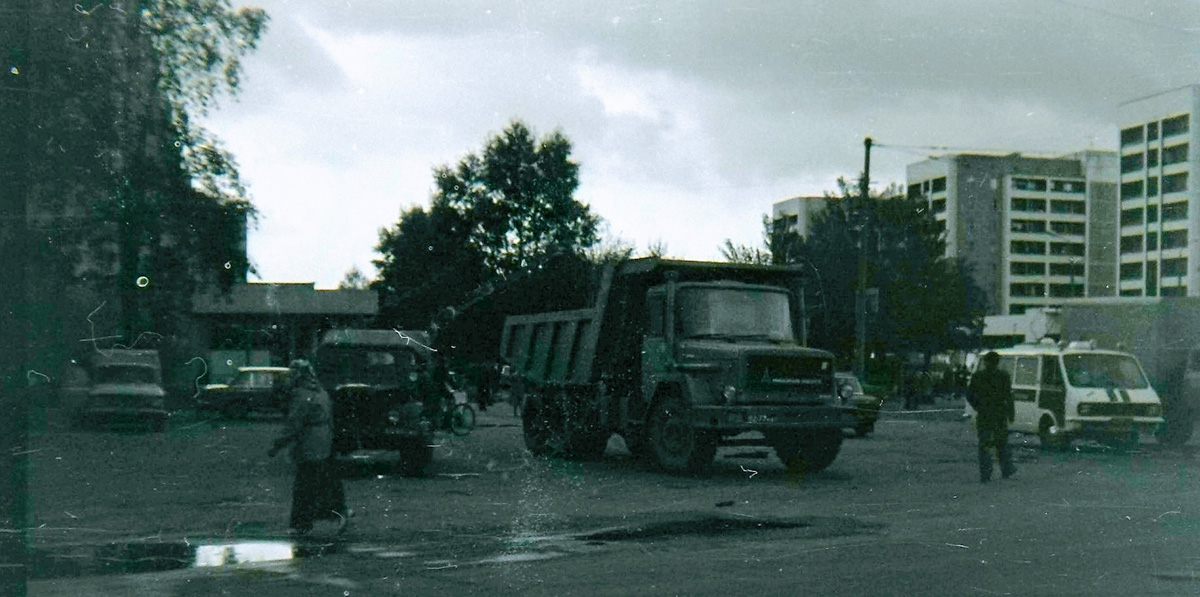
{"points": [[518, 196], [926, 301], [354, 280]]}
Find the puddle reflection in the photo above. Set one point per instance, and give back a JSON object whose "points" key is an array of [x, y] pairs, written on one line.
{"points": [[228, 554]]}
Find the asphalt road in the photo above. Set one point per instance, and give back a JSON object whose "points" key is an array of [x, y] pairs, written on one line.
{"points": [[899, 513]]}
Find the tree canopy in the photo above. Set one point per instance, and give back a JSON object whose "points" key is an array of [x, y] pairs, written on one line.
{"points": [[926, 302], [502, 218]]}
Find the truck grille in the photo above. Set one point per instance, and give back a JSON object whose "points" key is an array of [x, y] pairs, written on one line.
{"points": [[796, 373]]}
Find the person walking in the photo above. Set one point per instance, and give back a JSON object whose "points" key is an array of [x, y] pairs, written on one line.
{"points": [[990, 394], [317, 492]]}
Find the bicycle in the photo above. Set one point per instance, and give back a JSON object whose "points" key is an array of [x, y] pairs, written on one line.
{"points": [[458, 418]]}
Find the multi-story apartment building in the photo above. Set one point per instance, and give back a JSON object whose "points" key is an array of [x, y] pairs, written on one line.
{"points": [[1158, 251], [798, 213], [1033, 230]]}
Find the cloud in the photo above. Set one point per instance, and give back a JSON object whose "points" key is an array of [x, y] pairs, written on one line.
{"points": [[688, 118]]}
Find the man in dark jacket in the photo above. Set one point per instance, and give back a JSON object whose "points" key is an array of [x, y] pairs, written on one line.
{"points": [[990, 394], [317, 492]]}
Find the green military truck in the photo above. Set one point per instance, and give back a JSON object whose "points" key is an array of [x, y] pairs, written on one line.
{"points": [[1164, 334], [678, 357]]}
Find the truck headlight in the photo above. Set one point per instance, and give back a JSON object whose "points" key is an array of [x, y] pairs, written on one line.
{"points": [[729, 393]]}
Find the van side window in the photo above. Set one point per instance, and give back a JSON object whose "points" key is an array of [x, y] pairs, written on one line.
{"points": [[1051, 374], [1026, 372]]}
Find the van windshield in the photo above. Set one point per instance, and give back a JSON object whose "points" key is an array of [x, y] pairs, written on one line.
{"points": [[1104, 371]]}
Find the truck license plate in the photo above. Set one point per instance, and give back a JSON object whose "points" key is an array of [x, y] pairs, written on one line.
{"points": [[762, 418]]}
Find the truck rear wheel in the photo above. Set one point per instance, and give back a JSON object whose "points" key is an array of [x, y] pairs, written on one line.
{"points": [[542, 429], [677, 446]]}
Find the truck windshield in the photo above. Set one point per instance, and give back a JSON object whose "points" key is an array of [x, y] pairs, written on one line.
{"points": [[1104, 371], [377, 367], [124, 374], [734, 312]]}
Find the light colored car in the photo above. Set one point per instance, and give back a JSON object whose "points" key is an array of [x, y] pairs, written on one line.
{"points": [[866, 406], [253, 389], [125, 393]]}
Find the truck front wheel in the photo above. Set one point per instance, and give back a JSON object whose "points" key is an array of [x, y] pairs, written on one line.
{"points": [[809, 452], [677, 446]]}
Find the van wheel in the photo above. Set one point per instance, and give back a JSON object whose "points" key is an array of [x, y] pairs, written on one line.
{"points": [[1048, 441], [1175, 431]]}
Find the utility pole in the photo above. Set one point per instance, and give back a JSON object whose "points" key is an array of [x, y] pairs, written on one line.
{"points": [[860, 297]]}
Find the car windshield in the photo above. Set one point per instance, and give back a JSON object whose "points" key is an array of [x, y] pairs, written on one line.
{"points": [[1104, 371], [725, 312], [379, 367], [124, 374]]}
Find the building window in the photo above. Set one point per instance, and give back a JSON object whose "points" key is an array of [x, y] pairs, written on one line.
{"points": [[1066, 269], [1131, 271], [1066, 290], [1173, 268], [1022, 268], [1174, 211], [1027, 247], [1175, 126], [1131, 190], [1152, 131], [1029, 184], [1174, 239], [1132, 162], [1175, 154], [1151, 279], [1151, 241], [939, 184], [1132, 292], [1131, 135], [1022, 204], [1067, 186], [1152, 158], [1017, 310], [1173, 290], [1028, 226], [1027, 289], [1130, 217], [914, 191], [1175, 182], [1131, 244], [1151, 214], [1070, 249], [1068, 206], [939, 206], [1078, 228], [1152, 186]]}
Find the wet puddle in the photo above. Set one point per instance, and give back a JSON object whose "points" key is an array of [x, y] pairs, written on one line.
{"points": [[142, 557], [697, 527]]}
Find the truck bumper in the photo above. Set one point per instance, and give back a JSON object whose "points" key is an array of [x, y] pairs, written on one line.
{"points": [[738, 419]]}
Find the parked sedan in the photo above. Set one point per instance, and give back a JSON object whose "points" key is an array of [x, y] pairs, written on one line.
{"points": [[866, 406], [253, 389], [124, 394]]}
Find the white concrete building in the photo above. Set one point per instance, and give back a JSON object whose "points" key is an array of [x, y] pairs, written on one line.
{"points": [[1159, 252], [798, 213], [1035, 231]]}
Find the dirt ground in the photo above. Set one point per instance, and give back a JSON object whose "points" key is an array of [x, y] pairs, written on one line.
{"points": [[899, 512]]}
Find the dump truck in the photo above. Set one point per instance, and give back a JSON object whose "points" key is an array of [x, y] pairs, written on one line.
{"points": [[1164, 334], [678, 357]]}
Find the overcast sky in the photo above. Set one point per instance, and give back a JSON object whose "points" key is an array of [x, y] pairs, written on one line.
{"points": [[688, 119]]}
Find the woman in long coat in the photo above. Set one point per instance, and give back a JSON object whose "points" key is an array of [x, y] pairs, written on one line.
{"points": [[317, 493]]}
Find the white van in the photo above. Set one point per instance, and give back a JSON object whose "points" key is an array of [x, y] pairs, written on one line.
{"points": [[1077, 391]]}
